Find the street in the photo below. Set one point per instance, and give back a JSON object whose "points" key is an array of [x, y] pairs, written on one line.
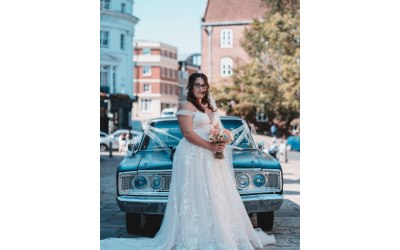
{"points": [[287, 220]]}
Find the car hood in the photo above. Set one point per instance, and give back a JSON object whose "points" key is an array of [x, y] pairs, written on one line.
{"points": [[160, 160]]}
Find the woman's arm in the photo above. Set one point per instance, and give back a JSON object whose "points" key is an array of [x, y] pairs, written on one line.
{"points": [[186, 126]]}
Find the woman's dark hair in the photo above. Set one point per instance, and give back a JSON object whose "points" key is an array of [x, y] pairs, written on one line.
{"points": [[190, 95]]}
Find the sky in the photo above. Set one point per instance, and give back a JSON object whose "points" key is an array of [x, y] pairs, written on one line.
{"points": [[175, 22]]}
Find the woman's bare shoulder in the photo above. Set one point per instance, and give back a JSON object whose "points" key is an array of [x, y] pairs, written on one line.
{"points": [[187, 106]]}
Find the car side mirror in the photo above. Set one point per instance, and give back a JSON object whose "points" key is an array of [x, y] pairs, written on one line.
{"points": [[261, 145]]}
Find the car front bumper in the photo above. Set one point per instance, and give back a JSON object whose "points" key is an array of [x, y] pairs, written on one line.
{"points": [[156, 205]]}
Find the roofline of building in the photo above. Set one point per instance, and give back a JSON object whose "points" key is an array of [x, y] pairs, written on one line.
{"points": [[154, 44], [226, 23], [205, 11], [130, 18]]}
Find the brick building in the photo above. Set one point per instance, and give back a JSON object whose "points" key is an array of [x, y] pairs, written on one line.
{"points": [[222, 29], [155, 79]]}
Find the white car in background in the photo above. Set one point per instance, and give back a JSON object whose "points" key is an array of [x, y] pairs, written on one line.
{"points": [[105, 138], [137, 136], [169, 112], [104, 141]]}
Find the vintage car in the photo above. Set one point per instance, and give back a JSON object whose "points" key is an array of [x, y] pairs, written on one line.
{"points": [[144, 176]]}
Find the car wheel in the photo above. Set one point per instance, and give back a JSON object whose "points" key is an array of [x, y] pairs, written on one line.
{"points": [[103, 147], [265, 220], [152, 224], [133, 223]]}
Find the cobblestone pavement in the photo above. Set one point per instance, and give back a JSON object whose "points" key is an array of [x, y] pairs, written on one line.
{"points": [[287, 220]]}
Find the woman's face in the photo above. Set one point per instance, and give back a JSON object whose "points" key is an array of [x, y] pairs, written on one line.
{"points": [[199, 88]]}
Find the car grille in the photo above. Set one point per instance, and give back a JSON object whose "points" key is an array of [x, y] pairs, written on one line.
{"points": [[125, 184], [127, 188], [272, 185]]}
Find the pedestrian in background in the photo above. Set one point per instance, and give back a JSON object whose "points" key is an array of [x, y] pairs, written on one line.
{"points": [[128, 140], [274, 130], [273, 149], [282, 152], [121, 143]]}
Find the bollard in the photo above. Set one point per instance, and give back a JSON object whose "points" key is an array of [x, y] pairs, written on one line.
{"points": [[110, 148]]}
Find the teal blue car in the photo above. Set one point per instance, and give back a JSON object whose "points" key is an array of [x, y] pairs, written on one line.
{"points": [[144, 176], [293, 143]]}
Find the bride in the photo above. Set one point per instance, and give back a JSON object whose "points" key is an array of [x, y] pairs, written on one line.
{"points": [[204, 209]]}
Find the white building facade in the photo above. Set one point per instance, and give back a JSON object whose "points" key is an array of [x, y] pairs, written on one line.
{"points": [[117, 24]]}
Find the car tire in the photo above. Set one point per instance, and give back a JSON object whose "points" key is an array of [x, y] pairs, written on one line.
{"points": [[265, 220], [103, 148], [133, 223], [152, 224]]}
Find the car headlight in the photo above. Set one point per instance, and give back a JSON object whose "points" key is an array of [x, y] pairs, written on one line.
{"points": [[259, 180], [139, 182], [157, 182], [242, 180]]}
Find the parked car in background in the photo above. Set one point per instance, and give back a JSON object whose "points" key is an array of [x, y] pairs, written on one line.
{"points": [[137, 136], [144, 176], [293, 143], [168, 112], [104, 141]]}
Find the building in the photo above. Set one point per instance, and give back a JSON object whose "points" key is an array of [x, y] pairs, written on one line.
{"points": [[156, 78], [117, 24], [222, 29], [187, 66]]}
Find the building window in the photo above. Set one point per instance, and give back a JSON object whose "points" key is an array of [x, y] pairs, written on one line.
{"points": [[168, 76], [104, 72], [226, 38], [226, 66], [145, 105], [146, 70], [105, 4], [146, 51], [104, 39], [146, 88], [123, 7], [122, 42], [114, 77]]}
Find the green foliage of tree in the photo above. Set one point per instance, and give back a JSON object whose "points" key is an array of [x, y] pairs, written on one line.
{"points": [[270, 81]]}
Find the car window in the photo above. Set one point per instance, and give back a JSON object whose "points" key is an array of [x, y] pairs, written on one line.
{"points": [[102, 135], [172, 127]]}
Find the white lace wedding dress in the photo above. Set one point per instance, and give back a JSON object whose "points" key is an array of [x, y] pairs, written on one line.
{"points": [[204, 209]]}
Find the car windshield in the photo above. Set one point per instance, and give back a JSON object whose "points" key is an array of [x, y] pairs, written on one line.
{"points": [[172, 127]]}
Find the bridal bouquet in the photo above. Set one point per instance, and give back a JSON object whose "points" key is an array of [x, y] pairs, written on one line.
{"points": [[220, 136]]}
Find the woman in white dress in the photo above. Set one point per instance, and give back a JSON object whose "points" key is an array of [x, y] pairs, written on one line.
{"points": [[204, 209]]}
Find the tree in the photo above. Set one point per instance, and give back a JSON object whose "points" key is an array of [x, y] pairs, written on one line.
{"points": [[270, 81]]}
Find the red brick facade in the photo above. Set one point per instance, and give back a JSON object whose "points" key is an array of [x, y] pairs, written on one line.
{"points": [[232, 15]]}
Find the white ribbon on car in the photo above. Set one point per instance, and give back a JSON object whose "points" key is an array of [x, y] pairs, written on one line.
{"points": [[152, 135], [245, 129], [149, 132]]}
